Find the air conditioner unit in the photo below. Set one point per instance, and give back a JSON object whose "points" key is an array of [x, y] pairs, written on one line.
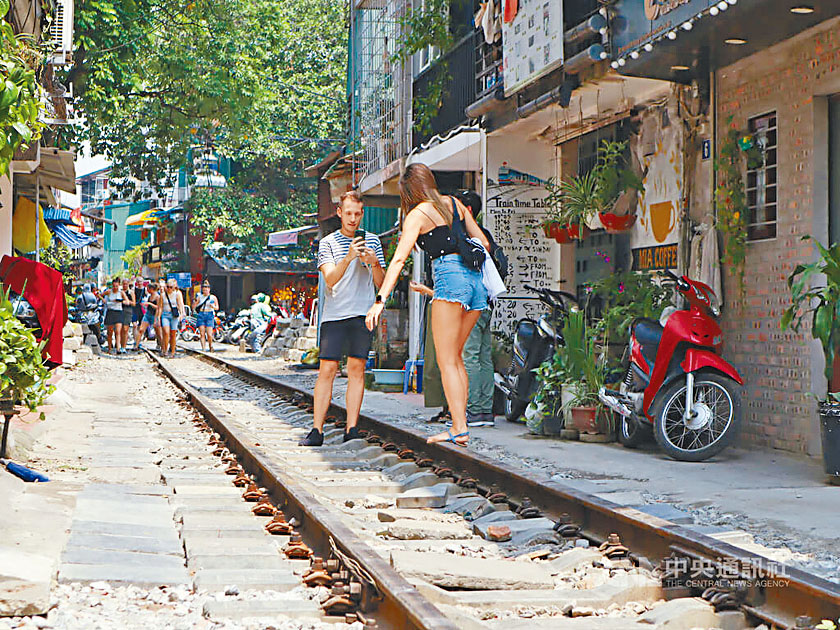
{"points": [[101, 195], [61, 33]]}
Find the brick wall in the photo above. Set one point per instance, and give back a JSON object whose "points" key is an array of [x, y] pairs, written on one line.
{"points": [[778, 366]]}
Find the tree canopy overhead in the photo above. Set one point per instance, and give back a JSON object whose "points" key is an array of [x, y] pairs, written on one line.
{"points": [[260, 81]]}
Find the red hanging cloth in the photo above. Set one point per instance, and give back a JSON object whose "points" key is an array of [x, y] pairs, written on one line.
{"points": [[511, 9], [43, 288]]}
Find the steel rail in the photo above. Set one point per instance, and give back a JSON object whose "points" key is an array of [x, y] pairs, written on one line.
{"points": [[402, 606], [782, 594]]}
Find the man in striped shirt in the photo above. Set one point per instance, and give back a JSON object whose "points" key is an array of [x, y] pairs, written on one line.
{"points": [[351, 267]]}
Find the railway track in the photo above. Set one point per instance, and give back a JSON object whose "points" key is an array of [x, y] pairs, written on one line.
{"points": [[424, 569]]}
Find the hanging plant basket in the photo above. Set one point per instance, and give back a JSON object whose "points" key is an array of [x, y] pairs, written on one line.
{"points": [[570, 233], [550, 229], [615, 223]]}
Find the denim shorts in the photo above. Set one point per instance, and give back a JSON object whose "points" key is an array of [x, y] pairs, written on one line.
{"points": [[205, 318], [149, 317], [169, 320], [454, 282]]}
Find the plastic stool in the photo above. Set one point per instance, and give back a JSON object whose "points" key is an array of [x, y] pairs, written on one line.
{"points": [[417, 368]]}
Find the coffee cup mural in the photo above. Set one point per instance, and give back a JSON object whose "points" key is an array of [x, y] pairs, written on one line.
{"points": [[663, 219]]}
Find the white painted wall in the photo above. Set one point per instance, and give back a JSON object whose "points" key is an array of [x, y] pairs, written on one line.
{"points": [[514, 214]]}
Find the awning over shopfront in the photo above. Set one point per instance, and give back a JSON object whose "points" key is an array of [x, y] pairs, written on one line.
{"points": [[231, 259], [285, 238], [61, 224], [459, 150], [681, 41], [56, 169]]}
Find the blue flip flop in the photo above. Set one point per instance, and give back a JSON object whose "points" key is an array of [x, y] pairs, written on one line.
{"points": [[453, 438]]}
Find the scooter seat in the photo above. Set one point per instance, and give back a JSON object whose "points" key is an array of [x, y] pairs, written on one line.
{"points": [[648, 332]]}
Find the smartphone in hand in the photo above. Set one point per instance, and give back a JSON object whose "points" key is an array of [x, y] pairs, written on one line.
{"points": [[359, 234]]}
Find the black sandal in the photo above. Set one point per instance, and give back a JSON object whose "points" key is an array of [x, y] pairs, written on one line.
{"points": [[442, 416]]}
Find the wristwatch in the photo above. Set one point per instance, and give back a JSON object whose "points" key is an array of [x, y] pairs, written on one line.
{"points": [[378, 299]]}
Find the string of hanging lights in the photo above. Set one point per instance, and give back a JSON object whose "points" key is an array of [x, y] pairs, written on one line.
{"points": [[715, 9]]}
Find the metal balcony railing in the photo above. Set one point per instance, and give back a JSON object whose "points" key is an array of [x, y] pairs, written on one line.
{"points": [[458, 92]]}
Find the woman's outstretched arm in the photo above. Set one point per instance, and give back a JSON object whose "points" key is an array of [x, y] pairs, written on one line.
{"points": [[411, 230]]}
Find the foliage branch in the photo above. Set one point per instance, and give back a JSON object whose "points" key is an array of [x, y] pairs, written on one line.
{"points": [[20, 92], [818, 305], [23, 376]]}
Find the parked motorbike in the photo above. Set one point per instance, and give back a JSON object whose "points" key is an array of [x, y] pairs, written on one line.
{"points": [[25, 313], [533, 343], [240, 327], [677, 384], [188, 329], [92, 316], [219, 327]]}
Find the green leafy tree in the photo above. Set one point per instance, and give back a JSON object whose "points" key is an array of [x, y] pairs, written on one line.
{"points": [[255, 80], [244, 217], [20, 92]]}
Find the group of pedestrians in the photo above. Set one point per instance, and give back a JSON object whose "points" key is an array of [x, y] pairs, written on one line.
{"points": [[134, 306], [357, 287]]}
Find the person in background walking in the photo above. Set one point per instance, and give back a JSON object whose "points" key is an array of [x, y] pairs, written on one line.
{"points": [[205, 306], [149, 302], [114, 299], [459, 293], [351, 266], [170, 308], [127, 312], [137, 309], [478, 359]]}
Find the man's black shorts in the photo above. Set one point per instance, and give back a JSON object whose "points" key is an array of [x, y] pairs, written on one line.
{"points": [[345, 336]]}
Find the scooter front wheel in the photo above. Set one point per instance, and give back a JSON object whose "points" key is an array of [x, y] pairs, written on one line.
{"points": [[715, 421]]}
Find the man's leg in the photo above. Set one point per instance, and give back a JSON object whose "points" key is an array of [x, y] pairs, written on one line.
{"points": [[322, 399], [355, 390], [474, 361], [485, 385]]}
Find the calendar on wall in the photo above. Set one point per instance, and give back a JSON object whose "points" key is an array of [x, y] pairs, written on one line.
{"points": [[532, 42]]}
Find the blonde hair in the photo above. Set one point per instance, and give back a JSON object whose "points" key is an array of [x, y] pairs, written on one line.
{"points": [[418, 185]]}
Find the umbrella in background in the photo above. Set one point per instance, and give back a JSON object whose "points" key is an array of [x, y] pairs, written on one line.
{"points": [[141, 218]]}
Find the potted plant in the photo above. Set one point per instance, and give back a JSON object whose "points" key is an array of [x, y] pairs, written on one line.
{"points": [[819, 305], [24, 379], [585, 365], [608, 190]]}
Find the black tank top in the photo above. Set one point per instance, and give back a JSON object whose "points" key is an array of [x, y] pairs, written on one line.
{"points": [[438, 241]]}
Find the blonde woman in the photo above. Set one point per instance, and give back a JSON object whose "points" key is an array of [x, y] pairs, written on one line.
{"points": [[169, 312]]}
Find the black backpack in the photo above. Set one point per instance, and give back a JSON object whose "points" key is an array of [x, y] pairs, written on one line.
{"points": [[497, 254]]}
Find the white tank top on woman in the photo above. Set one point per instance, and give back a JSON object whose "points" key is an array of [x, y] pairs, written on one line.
{"points": [[113, 301]]}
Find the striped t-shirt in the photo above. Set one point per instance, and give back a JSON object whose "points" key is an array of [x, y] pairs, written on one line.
{"points": [[353, 295]]}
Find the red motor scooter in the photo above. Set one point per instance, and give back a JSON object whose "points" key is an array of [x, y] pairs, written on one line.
{"points": [[677, 383]]}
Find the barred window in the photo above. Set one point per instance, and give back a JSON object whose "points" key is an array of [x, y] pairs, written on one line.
{"points": [[762, 188]]}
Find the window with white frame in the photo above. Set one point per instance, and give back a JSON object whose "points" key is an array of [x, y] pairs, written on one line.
{"points": [[762, 180], [428, 54]]}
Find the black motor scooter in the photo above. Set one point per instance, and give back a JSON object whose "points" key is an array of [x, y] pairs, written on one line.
{"points": [[534, 342]]}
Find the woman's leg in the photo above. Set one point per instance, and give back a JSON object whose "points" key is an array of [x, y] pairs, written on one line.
{"points": [[141, 330], [173, 338], [201, 331], [451, 326], [209, 331], [164, 339], [118, 336], [110, 337]]}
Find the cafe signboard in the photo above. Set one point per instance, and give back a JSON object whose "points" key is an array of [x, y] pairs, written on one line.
{"points": [[638, 22]]}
